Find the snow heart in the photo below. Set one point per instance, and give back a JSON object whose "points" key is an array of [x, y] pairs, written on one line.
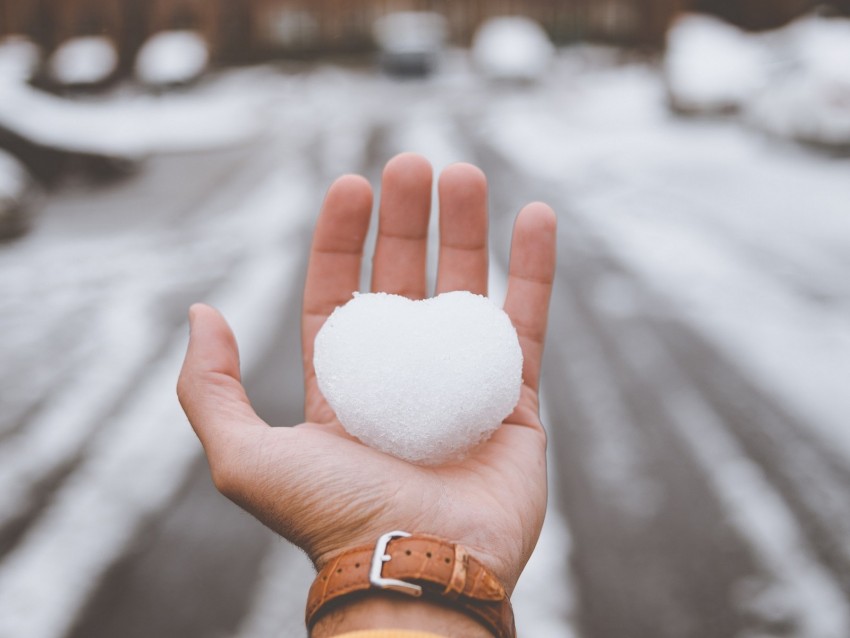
{"points": [[422, 380]]}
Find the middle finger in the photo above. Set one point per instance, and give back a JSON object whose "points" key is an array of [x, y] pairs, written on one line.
{"points": [[402, 245]]}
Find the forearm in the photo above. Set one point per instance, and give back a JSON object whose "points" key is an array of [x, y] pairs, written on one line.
{"points": [[380, 610]]}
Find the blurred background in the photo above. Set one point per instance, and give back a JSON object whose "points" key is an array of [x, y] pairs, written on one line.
{"points": [[697, 380]]}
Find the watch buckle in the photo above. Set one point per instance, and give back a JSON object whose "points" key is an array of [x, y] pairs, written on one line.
{"points": [[379, 557]]}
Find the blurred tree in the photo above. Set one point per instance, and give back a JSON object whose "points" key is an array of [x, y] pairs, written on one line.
{"points": [[241, 30], [236, 31]]}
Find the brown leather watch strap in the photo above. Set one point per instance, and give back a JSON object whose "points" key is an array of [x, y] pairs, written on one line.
{"points": [[417, 565]]}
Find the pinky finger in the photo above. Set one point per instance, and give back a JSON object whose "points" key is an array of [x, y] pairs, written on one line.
{"points": [[530, 279]]}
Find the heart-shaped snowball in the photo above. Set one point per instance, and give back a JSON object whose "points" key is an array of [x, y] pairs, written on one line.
{"points": [[422, 380]]}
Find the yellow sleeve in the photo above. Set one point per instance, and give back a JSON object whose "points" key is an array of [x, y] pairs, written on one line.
{"points": [[388, 633]]}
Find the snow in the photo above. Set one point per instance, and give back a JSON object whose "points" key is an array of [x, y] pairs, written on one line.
{"points": [[805, 109], [712, 218], [423, 380], [84, 60], [793, 82], [806, 592], [132, 126], [823, 46], [711, 66], [19, 59], [512, 48], [285, 575], [99, 510], [810, 99], [711, 284], [742, 240], [172, 57], [127, 335]]}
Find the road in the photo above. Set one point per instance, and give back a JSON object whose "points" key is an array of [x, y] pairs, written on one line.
{"points": [[693, 378]]}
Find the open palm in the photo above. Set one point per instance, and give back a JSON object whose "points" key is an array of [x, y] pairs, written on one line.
{"points": [[315, 484]]}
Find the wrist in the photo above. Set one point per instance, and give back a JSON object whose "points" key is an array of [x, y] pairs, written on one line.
{"points": [[387, 610], [407, 581]]}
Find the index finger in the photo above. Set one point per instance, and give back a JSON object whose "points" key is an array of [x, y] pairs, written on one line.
{"points": [[333, 272]]}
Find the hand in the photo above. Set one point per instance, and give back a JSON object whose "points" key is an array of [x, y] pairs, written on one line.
{"points": [[319, 487]]}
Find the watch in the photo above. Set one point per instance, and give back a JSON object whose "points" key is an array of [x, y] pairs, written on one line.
{"points": [[415, 565]]}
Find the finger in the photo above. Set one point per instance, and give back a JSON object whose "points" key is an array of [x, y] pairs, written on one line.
{"points": [[532, 272], [210, 388], [463, 230], [401, 248], [333, 272]]}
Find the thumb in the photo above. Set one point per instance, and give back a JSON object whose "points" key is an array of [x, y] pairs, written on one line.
{"points": [[210, 388]]}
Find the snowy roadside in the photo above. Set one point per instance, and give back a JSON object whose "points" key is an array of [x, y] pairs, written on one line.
{"points": [[793, 584], [792, 82], [48, 576], [747, 241], [798, 350], [134, 126]]}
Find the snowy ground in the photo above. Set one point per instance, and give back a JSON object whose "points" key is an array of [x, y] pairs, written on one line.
{"points": [[792, 82], [697, 371]]}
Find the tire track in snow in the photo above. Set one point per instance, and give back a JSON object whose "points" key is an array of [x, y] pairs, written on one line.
{"points": [[796, 585], [813, 480], [811, 595], [621, 453], [50, 575], [652, 554]]}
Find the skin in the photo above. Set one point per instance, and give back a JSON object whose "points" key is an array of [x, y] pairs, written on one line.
{"points": [[325, 491]]}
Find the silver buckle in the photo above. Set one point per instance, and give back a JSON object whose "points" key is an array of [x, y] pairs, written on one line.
{"points": [[379, 557]]}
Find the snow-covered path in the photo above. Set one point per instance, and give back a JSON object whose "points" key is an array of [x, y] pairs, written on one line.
{"points": [[696, 377]]}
